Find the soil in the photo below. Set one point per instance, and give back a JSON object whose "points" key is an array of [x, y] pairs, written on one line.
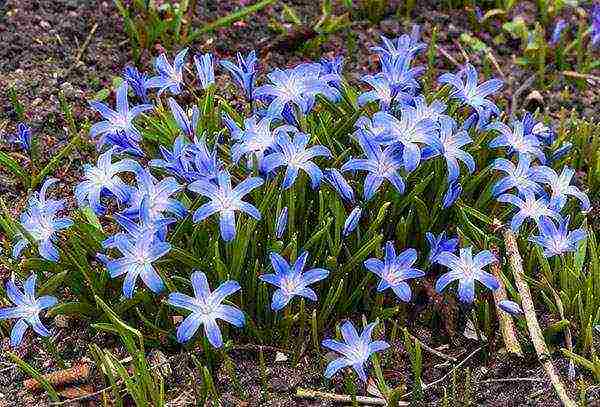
{"points": [[41, 41]]}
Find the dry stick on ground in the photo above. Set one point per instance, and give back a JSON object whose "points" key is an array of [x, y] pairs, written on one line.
{"points": [[77, 373], [447, 55], [342, 398], [433, 351], [577, 75], [506, 323], [82, 49], [535, 332], [515, 97]]}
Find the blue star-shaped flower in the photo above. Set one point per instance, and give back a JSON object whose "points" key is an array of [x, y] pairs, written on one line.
{"points": [[117, 127], [255, 140], [40, 220], [470, 93], [440, 244], [26, 310], [168, 76], [175, 161], [516, 140], [294, 155], [137, 261], [529, 207], [356, 350], [555, 238], [225, 200], [203, 163], [295, 87], [138, 82], [244, 73], [205, 68], [292, 281], [159, 196], [206, 308], [102, 179], [395, 270], [466, 269], [522, 176], [400, 46], [561, 186], [380, 165]]}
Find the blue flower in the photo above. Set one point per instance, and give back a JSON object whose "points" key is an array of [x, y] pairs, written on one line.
{"points": [[292, 281], [138, 82], [255, 140], [449, 146], [339, 184], [102, 179], [159, 196], [529, 207], [118, 124], [281, 224], [561, 186], [136, 261], [203, 163], [332, 68], [225, 200], [466, 269], [244, 73], [136, 231], [395, 270], [205, 67], [433, 111], [401, 75], [26, 310], [561, 152], [352, 221], [187, 124], [356, 350], [295, 87], [516, 140], [380, 165], [559, 27], [439, 244], [408, 131], [382, 91], [168, 76], [294, 155], [556, 239], [595, 25], [510, 307], [521, 176], [468, 92], [452, 193], [23, 136], [206, 308], [41, 222], [401, 46], [175, 161]]}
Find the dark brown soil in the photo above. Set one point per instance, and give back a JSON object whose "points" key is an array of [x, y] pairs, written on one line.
{"points": [[40, 41]]}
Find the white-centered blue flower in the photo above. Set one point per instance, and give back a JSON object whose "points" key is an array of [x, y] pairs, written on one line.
{"points": [[168, 76], [529, 207], [521, 176], [466, 269], [450, 143], [206, 307], [117, 128], [137, 262], [295, 156], [41, 221], [292, 281], [27, 309], [225, 201], [516, 140], [555, 238], [395, 270], [102, 179], [355, 350], [561, 186], [380, 165], [158, 194]]}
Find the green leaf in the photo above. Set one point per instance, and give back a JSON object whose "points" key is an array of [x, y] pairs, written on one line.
{"points": [[8, 163]]}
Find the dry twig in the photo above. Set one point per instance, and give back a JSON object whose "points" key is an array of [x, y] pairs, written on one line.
{"points": [[60, 378], [535, 332]]}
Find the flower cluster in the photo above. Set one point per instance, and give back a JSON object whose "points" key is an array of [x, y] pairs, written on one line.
{"points": [[225, 180]]}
